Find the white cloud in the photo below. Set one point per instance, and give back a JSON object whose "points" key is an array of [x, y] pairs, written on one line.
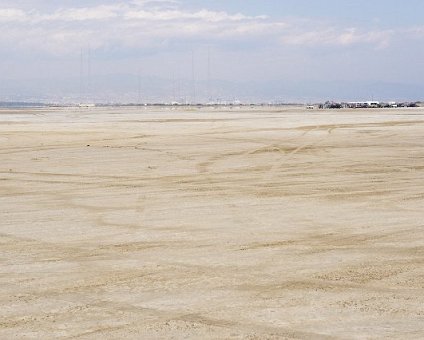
{"points": [[12, 15], [148, 23], [415, 32], [83, 14], [340, 37], [178, 15]]}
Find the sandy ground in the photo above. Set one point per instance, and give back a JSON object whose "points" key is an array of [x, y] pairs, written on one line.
{"points": [[245, 224]]}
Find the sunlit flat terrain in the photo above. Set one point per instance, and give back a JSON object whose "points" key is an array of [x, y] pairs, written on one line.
{"points": [[142, 224]]}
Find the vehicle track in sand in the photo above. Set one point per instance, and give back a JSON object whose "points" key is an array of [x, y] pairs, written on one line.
{"points": [[262, 224]]}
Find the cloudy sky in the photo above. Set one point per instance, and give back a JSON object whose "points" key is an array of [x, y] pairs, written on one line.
{"points": [[259, 50]]}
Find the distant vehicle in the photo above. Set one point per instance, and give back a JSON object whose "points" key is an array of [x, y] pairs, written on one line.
{"points": [[310, 107], [332, 105]]}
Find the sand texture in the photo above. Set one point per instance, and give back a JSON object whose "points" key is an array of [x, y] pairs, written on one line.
{"points": [[132, 223]]}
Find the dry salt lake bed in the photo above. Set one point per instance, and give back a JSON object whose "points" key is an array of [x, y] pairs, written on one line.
{"points": [[211, 224]]}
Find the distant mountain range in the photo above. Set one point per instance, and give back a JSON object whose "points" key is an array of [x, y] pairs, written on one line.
{"points": [[127, 88], [20, 104]]}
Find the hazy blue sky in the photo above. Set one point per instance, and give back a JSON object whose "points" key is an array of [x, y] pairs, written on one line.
{"points": [[276, 49]]}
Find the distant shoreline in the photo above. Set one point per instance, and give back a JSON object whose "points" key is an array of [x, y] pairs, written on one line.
{"points": [[23, 105]]}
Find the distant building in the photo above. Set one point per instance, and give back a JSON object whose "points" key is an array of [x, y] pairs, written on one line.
{"points": [[367, 105], [363, 105]]}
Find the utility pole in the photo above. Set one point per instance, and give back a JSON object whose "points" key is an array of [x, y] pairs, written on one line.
{"points": [[193, 77], [139, 87], [209, 74], [81, 75]]}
